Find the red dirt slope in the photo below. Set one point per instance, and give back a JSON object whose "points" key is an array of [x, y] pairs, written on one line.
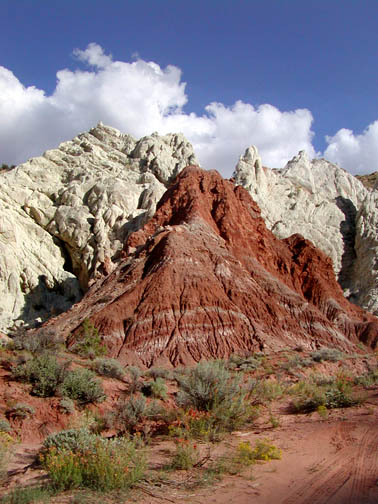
{"points": [[205, 278]]}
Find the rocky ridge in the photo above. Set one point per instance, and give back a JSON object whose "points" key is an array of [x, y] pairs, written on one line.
{"points": [[229, 285], [326, 205], [64, 216]]}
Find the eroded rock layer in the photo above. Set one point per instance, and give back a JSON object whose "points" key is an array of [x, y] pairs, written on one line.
{"points": [[326, 205], [205, 278]]}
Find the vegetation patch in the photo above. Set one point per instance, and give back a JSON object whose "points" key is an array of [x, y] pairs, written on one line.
{"points": [[337, 394], [88, 341], [327, 354], [82, 385], [44, 372], [28, 495], [108, 367], [186, 455], [263, 451], [102, 465], [212, 388]]}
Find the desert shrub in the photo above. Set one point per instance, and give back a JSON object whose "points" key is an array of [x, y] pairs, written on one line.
{"points": [[135, 410], [368, 379], [88, 341], [135, 384], [155, 373], [310, 396], [207, 385], [4, 425], [210, 386], [265, 390], [108, 367], [244, 363], [28, 495], [296, 362], [44, 372], [82, 385], [20, 410], [322, 411], [263, 450], [106, 465], [185, 456], [156, 388], [196, 424], [43, 340], [67, 405], [6, 442], [327, 354], [71, 439], [130, 413]]}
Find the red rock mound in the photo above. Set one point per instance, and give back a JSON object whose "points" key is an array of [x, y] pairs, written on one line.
{"points": [[205, 278]]}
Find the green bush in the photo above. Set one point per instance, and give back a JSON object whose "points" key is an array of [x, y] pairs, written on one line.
{"points": [[185, 456], [206, 386], [296, 362], [71, 439], [263, 450], [310, 396], [327, 354], [4, 425], [155, 373], [265, 390], [129, 413], [249, 363], [88, 341], [135, 383], [106, 465], [67, 405], [39, 342], [20, 410], [108, 367], [28, 495], [43, 372], [156, 388], [82, 385], [369, 379], [211, 387]]}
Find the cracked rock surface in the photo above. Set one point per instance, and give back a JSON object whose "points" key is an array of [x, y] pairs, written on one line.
{"points": [[204, 278], [64, 216], [326, 205]]}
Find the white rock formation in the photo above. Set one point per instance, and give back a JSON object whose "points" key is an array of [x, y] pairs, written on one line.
{"points": [[326, 205], [65, 215], [364, 277]]}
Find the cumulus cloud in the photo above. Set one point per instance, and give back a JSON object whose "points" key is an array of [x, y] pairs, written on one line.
{"points": [[355, 153], [140, 97]]}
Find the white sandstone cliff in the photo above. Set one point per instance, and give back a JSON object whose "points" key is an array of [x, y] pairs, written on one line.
{"points": [[326, 205], [64, 216]]}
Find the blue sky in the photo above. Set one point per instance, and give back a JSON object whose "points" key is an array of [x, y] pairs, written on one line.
{"points": [[280, 74]]}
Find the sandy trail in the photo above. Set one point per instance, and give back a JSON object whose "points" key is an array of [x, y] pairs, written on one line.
{"points": [[324, 462], [332, 461]]}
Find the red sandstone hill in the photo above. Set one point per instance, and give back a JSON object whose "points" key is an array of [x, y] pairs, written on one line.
{"points": [[205, 278]]}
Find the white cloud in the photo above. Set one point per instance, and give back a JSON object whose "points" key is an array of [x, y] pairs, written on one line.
{"points": [[355, 153], [140, 97]]}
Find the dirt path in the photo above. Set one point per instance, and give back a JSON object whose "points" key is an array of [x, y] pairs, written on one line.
{"points": [[333, 461], [324, 462]]}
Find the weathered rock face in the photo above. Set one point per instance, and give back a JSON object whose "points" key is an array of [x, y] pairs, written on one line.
{"points": [[64, 216], [205, 278], [326, 205], [364, 276]]}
